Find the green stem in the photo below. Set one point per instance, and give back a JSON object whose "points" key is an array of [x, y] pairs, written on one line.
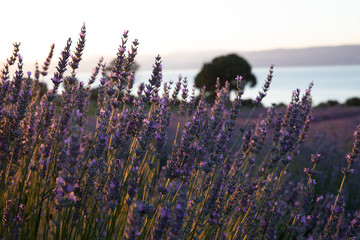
{"points": [[204, 202]]}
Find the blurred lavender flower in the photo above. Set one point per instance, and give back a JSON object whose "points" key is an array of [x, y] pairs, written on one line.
{"points": [[10, 61], [130, 84], [163, 222], [354, 154], [191, 104], [16, 84], [265, 88], [181, 162], [80, 104], [47, 62], [102, 135], [291, 127], [119, 136], [68, 176], [261, 130], [14, 55], [300, 225], [76, 58], [67, 101], [354, 228], [184, 96], [271, 229], [217, 111], [237, 103], [123, 64], [95, 72], [134, 223], [45, 150], [135, 118], [176, 228], [337, 210], [36, 73], [176, 89], [249, 227], [101, 98], [61, 68], [16, 228], [141, 143], [161, 131], [156, 75], [6, 217], [152, 89], [114, 184], [24, 99], [130, 60]]}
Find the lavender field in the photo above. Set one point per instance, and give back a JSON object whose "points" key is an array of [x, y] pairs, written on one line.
{"points": [[160, 164]]}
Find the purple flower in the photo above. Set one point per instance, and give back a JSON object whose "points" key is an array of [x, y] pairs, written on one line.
{"points": [[354, 154], [5, 71], [16, 227], [76, 58], [118, 76], [6, 217], [61, 68], [95, 71], [265, 88], [176, 227], [337, 209], [48, 61], [163, 222], [176, 89], [134, 223]]}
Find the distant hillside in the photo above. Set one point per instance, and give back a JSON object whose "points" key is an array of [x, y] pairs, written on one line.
{"points": [[340, 55]]}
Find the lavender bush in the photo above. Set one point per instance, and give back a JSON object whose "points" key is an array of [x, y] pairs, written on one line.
{"points": [[216, 178]]}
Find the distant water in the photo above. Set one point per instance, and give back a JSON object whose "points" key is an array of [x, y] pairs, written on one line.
{"points": [[330, 82]]}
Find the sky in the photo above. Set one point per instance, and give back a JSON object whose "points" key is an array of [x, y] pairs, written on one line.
{"points": [[164, 26]]}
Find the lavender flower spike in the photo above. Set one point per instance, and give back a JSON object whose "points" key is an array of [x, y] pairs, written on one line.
{"points": [[265, 88], [76, 58], [61, 68], [48, 61]]}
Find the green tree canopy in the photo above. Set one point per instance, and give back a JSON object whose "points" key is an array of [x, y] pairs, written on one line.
{"points": [[110, 66], [354, 101], [226, 68]]}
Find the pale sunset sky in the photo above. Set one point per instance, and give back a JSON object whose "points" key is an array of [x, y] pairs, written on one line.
{"points": [[164, 27]]}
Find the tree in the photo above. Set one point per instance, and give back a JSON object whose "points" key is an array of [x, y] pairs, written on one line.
{"points": [[352, 102], [134, 67], [226, 68]]}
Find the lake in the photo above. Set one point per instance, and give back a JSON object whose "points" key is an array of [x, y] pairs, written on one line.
{"points": [[330, 82]]}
